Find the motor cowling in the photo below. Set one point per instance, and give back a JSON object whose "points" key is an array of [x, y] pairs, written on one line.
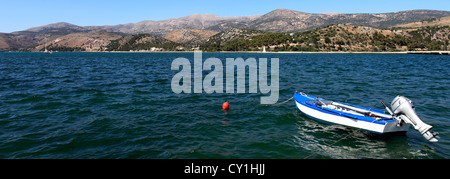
{"points": [[403, 108]]}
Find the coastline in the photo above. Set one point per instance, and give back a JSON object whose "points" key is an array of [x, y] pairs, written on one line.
{"points": [[288, 52], [299, 52]]}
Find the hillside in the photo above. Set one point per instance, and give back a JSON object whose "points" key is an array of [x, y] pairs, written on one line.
{"points": [[228, 36], [27, 40], [145, 42], [285, 20], [190, 36], [342, 38], [233, 34], [61, 27], [4, 41], [279, 20], [83, 41], [444, 21], [163, 27], [212, 32]]}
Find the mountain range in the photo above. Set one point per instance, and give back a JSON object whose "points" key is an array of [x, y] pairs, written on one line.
{"points": [[198, 28]]}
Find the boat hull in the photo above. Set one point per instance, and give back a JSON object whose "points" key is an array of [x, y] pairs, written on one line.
{"points": [[373, 125]]}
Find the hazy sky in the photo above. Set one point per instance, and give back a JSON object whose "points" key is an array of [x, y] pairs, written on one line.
{"points": [[16, 15]]}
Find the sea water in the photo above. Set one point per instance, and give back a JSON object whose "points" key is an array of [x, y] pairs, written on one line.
{"points": [[120, 105]]}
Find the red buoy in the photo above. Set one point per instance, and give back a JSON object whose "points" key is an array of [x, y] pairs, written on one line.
{"points": [[225, 105]]}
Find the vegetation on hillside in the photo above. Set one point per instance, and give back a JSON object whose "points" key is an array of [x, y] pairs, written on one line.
{"points": [[342, 38], [253, 43], [330, 38], [141, 42], [339, 37]]}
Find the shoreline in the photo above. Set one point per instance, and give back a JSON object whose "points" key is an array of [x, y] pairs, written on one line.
{"points": [[325, 52], [287, 52], [299, 52]]}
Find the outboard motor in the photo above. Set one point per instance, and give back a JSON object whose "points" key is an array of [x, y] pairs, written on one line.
{"points": [[403, 108]]}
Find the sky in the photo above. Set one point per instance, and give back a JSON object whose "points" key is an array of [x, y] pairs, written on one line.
{"points": [[16, 15]]}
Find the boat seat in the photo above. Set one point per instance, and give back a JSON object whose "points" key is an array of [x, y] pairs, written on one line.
{"points": [[327, 102], [320, 103]]}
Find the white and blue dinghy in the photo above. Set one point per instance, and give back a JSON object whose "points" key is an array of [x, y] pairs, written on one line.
{"points": [[401, 117]]}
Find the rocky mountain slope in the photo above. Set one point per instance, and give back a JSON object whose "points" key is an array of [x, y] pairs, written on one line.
{"points": [[82, 41], [285, 20], [341, 37], [280, 20], [138, 42], [202, 28], [195, 21], [29, 39], [426, 22], [190, 36]]}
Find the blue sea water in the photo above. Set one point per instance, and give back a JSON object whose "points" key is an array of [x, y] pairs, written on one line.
{"points": [[120, 105]]}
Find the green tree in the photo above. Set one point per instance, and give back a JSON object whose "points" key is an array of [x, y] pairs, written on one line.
{"points": [[327, 40]]}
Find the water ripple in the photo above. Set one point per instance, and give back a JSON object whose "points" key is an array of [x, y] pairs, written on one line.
{"points": [[120, 105]]}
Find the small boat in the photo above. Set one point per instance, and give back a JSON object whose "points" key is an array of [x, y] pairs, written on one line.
{"points": [[46, 51], [45, 47], [376, 121]]}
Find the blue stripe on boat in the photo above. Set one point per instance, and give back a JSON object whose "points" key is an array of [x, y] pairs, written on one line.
{"points": [[302, 100]]}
